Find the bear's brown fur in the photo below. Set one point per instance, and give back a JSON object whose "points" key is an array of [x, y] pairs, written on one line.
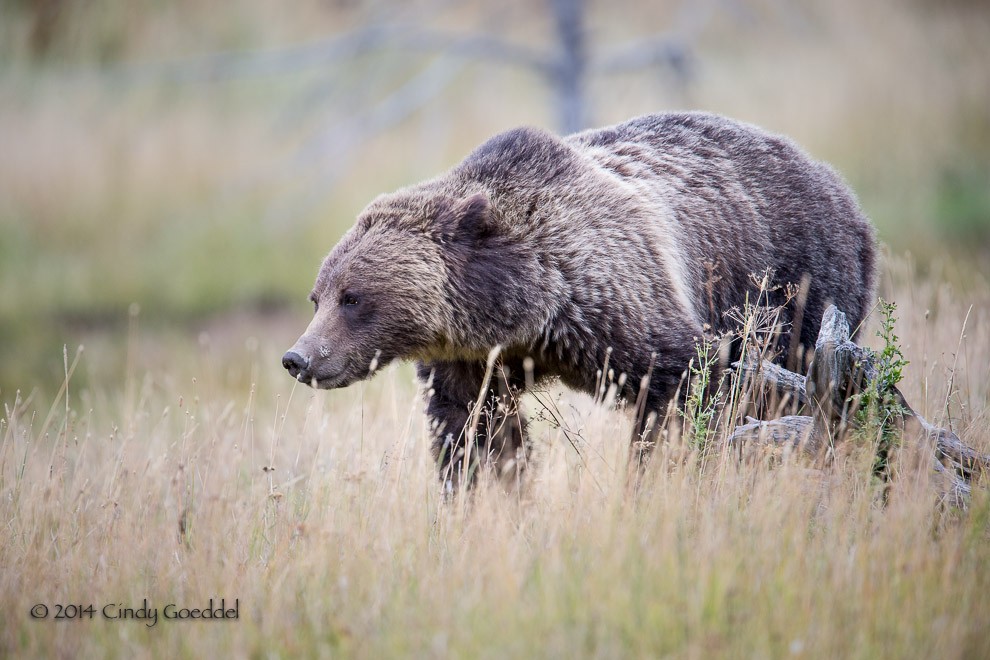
{"points": [[621, 243]]}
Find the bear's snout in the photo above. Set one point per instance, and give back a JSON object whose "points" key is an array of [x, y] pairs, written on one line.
{"points": [[295, 364]]}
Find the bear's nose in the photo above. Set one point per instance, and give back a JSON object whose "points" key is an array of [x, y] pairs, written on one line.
{"points": [[295, 363]]}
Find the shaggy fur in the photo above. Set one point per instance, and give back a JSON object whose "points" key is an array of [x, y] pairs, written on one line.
{"points": [[624, 243]]}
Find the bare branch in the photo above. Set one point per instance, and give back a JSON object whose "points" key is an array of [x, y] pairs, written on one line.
{"points": [[665, 50], [772, 379], [333, 148], [795, 431], [339, 48], [473, 46], [672, 49], [397, 106]]}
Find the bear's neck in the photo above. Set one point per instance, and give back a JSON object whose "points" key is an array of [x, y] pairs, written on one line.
{"points": [[505, 291]]}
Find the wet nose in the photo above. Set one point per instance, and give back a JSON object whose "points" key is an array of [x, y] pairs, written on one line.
{"points": [[295, 363]]}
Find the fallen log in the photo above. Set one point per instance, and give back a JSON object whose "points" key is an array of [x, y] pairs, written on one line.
{"points": [[795, 431], [839, 373], [772, 380]]}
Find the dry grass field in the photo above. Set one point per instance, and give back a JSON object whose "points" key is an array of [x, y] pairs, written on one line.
{"points": [[158, 236], [213, 476]]}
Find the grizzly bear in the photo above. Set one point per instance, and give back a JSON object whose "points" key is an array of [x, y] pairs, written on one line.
{"points": [[619, 246]]}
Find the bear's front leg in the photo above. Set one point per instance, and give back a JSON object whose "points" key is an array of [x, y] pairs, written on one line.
{"points": [[495, 424]]}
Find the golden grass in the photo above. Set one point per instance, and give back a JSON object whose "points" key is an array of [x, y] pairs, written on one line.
{"points": [[206, 473], [152, 479]]}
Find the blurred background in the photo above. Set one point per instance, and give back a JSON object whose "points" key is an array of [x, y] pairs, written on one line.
{"points": [[182, 167]]}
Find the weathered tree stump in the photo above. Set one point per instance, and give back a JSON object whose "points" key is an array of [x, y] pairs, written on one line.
{"points": [[841, 371]]}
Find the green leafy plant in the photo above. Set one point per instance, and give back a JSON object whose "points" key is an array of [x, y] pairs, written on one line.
{"points": [[701, 404], [879, 405]]}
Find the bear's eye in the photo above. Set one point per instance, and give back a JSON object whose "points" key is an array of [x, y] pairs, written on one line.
{"points": [[348, 300]]}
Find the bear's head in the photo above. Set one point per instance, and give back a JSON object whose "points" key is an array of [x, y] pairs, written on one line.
{"points": [[384, 292]]}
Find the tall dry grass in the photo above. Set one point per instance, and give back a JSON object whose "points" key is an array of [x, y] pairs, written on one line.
{"points": [[195, 195], [182, 464], [215, 476]]}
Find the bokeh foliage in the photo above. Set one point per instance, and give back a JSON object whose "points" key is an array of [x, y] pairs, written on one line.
{"points": [[132, 172]]}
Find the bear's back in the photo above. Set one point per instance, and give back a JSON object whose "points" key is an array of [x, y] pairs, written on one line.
{"points": [[744, 200], [729, 199], [696, 149]]}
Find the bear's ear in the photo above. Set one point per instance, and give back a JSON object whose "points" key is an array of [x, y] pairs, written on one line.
{"points": [[467, 219]]}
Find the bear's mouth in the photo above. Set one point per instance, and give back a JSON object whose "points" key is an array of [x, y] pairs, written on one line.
{"points": [[321, 379], [325, 381], [334, 383]]}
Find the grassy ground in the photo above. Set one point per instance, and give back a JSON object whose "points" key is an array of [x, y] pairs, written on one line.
{"points": [[193, 197], [173, 229], [207, 473]]}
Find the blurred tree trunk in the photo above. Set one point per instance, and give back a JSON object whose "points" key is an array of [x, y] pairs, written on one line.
{"points": [[568, 75], [44, 23]]}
